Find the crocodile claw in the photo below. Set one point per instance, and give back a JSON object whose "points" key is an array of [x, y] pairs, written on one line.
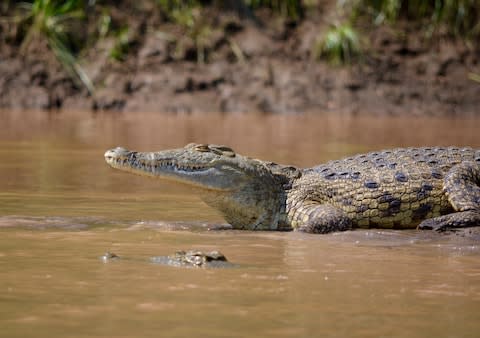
{"points": [[432, 224], [450, 222]]}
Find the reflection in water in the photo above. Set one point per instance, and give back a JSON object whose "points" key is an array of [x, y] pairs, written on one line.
{"points": [[61, 207]]}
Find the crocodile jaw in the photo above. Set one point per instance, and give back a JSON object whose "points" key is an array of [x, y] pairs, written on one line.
{"points": [[169, 165]]}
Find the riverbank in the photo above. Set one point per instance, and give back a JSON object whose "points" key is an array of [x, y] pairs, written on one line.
{"points": [[247, 66]]}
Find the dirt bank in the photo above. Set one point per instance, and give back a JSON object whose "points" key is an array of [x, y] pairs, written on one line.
{"points": [[251, 67]]}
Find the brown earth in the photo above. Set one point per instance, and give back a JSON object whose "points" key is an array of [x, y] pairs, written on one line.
{"points": [[251, 67]]}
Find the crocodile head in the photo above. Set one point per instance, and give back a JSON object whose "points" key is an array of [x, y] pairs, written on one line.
{"points": [[206, 166], [246, 191]]}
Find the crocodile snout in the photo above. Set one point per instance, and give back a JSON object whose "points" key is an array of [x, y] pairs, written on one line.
{"points": [[116, 153]]}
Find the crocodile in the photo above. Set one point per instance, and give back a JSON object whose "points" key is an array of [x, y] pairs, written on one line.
{"points": [[194, 259], [187, 259], [426, 188]]}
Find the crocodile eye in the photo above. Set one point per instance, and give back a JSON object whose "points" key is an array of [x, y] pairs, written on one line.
{"points": [[222, 150], [203, 148]]}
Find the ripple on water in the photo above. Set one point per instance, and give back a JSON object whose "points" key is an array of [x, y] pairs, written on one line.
{"points": [[86, 222], [178, 226], [462, 241], [41, 222]]}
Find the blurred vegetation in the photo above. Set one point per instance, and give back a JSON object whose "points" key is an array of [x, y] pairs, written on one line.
{"points": [[458, 17], [189, 17], [54, 21], [61, 24], [121, 47], [288, 8], [340, 45]]}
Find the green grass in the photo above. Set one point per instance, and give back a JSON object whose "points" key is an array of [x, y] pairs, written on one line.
{"points": [[52, 20], [189, 16], [340, 45], [459, 17], [122, 44]]}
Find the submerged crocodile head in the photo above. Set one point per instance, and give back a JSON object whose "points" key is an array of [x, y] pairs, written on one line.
{"points": [[249, 193]]}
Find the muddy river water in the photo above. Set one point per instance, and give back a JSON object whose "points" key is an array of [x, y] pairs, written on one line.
{"points": [[62, 207]]}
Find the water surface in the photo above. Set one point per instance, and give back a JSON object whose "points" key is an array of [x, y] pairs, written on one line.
{"points": [[61, 207]]}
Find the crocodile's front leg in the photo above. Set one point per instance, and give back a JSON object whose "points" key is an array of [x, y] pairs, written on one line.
{"points": [[313, 217], [462, 187]]}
